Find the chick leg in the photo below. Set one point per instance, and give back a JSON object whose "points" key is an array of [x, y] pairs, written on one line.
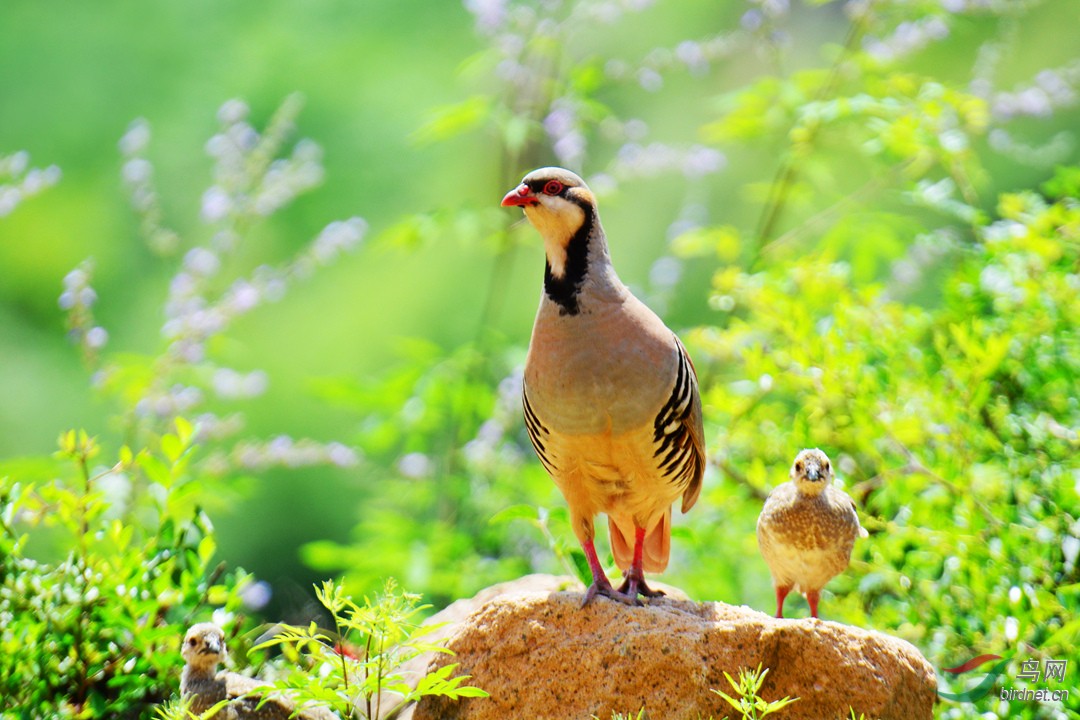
{"points": [[812, 597], [781, 593]]}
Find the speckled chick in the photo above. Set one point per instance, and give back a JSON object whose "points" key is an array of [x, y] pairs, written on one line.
{"points": [[610, 395], [204, 686], [807, 529]]}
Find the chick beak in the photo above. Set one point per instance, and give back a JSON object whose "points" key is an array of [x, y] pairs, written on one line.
{"points": [[519, 196], [813, 473], [212, 647]]}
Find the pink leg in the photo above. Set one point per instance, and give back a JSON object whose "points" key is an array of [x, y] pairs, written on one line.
{"points": [[812, 598], [781, 593], [634, 584], [600, 584]]}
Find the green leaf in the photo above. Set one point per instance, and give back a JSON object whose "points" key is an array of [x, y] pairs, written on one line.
{"points": [[515, 512], [449, 121], [185, 431], [581, 566], [172, 447], [468, 691], [207, 548]]}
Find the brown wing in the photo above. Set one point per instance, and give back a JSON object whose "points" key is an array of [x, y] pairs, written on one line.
{"points": [[678, 433], [860, 531]]}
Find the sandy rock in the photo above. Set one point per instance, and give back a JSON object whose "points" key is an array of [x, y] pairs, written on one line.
{"points": [[540, 655]]}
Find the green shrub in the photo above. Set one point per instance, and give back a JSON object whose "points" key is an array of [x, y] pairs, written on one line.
{"points": [[359, 671], [104, 566], [95, 632]]}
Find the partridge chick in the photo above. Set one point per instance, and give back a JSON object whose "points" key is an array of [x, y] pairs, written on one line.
{"points": [[610, 395], [806, 530], [203, 651]]}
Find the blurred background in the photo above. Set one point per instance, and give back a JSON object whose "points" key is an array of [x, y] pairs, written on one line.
{"points": [[375, 78], [358, 415]]}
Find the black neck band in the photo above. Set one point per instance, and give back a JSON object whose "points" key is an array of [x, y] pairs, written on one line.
{"points": [[564, 290]]}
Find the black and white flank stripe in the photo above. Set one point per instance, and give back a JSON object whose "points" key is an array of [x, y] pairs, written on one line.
{"points": [[678, 453], [538, 433]]}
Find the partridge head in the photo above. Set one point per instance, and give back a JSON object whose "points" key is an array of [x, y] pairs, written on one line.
{"points": [[203, 650], [610, 395], [807, 529], [203, 687], [811, 472]]}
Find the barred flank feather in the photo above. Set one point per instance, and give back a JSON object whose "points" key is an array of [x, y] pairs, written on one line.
{"points": [[537, 432], [677, 433]]}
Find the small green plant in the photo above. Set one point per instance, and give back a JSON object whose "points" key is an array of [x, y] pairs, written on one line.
{"points": [[91, 618], [178, 708], [749, 704], [627, 716], [358, 671], [102, 565]]}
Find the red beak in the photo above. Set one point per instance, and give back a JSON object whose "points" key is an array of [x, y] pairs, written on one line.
{"points": [[519, 196]]}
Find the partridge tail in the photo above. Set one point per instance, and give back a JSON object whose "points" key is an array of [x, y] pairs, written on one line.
{"points": [[657, 546], [622, 543]]}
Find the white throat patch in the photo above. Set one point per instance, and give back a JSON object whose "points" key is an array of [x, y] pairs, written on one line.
{"points": [[556, 220]]}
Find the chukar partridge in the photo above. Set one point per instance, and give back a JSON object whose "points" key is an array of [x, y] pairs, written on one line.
{"points": [[807, 529], [204, 686], [610, 395]]}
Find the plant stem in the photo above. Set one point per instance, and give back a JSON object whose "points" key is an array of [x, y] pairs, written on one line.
{"points": [[788, 170], [341, 652], [82, 567], [367, 660], [380, 668]]}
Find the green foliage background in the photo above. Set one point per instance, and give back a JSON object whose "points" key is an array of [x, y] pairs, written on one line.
{"points": [[862, 217]]}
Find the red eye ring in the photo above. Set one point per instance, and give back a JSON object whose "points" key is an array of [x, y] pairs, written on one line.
{"points": [[553, 187]]}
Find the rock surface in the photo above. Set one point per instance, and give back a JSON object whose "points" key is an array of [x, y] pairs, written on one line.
{"points": [[530, 645]]}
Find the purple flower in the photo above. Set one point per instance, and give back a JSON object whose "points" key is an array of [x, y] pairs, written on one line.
{"points": [[137, 138]]}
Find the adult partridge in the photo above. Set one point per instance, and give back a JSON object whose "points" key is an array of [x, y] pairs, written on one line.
{"points": [[203, 686], [807, 529], [610, 395]]}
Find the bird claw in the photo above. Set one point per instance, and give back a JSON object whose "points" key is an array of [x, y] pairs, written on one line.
{"points": [[605, 589], [634, 584]]}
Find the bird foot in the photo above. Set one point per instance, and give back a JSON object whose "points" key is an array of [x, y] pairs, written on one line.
{"points": [[634, 584], [604, 588]]}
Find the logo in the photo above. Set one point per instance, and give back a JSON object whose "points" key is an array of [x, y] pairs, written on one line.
{"points": [[1030, 672], [984, 686]]}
